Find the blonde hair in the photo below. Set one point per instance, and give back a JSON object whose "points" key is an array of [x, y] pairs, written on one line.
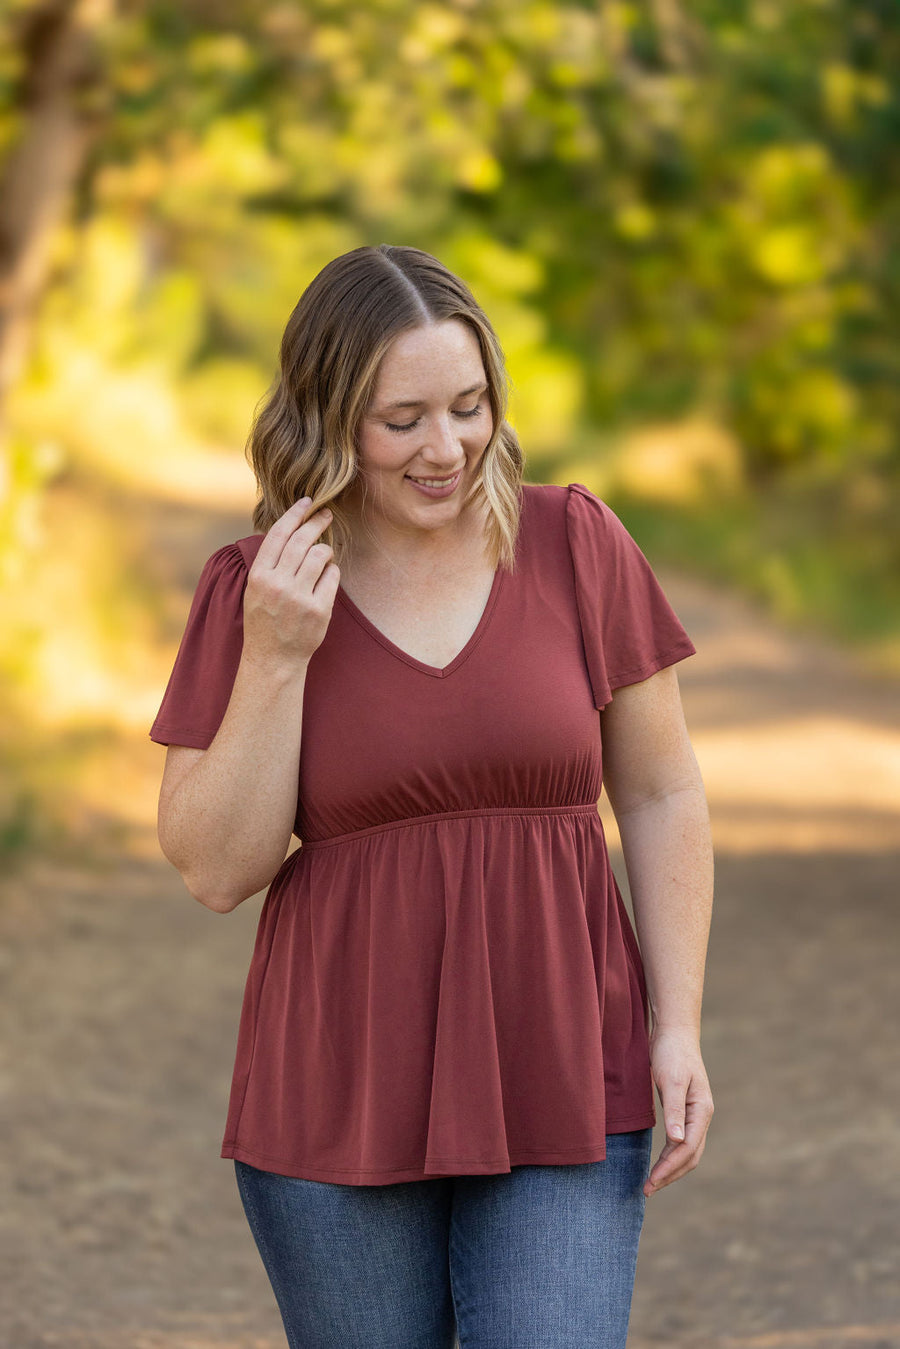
{"points": [[303, 441]]}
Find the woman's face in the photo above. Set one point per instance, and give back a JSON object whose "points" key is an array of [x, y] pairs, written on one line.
{"points": [[427, 425]]}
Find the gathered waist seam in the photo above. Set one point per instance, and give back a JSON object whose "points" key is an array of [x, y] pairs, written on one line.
{"points": [[585, 808]]}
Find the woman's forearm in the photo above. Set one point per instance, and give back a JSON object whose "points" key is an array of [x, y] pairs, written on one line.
{"points": [[667, 848], [227, 824]]}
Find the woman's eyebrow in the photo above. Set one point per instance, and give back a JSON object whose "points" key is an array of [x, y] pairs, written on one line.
{"points": [[417, 402]]}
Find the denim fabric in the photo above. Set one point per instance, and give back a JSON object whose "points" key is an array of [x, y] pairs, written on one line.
{"points": [[542, 1257]]}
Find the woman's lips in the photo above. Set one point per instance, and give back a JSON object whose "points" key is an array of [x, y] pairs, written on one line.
{"points": [[446, 488]]}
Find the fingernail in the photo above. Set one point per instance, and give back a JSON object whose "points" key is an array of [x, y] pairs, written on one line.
{"points": [[304, 501], [677, 1131]]}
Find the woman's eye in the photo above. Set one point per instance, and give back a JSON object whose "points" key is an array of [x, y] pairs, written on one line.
{"points": [[408, 426]]}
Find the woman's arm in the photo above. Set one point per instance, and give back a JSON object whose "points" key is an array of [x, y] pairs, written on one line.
{"points": [[226, 813], [656, 792]]}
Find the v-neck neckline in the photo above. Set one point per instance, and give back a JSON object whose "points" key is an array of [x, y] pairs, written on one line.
{"points": [[437, 672]]}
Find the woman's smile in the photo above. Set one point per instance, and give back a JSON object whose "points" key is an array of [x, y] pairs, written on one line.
{"points": [[436, 487]]}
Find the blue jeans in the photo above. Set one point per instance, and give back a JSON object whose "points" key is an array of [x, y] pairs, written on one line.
{"points": [[541, 1257]]}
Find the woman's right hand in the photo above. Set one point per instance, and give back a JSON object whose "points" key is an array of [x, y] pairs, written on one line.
{"points": [[291, 588]]}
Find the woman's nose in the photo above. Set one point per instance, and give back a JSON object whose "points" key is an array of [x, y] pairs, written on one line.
{"points": [[443, 443]]}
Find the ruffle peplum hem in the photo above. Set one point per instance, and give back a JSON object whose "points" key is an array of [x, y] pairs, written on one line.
{"points": [[486, 1018]]}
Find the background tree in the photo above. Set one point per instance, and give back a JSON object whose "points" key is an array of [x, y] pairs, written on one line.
{"points": [[683, 219]]}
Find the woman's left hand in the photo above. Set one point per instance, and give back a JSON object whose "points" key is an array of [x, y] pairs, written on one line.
{"points": [[683, 1086]]}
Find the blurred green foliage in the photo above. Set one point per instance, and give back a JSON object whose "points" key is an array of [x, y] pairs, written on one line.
{"points": [[677, 215], [661, 204]]}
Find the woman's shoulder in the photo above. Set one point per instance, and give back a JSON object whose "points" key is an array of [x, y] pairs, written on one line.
{"points": [[233, 559], [569, 502], [558, 494], [223, 576], [248, 548]]}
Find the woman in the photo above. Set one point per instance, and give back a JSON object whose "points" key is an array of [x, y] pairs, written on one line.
{"points": [[442, 1101]]}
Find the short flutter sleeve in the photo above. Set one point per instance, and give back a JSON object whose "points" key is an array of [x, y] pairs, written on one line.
{"points": [[630, 630], [200, 685]]}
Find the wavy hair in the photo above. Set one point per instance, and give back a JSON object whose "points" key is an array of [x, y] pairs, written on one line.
{"points": [[303, 441]]}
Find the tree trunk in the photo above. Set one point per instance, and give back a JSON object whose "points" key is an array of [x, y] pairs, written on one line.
{"points": [[57, 104]]}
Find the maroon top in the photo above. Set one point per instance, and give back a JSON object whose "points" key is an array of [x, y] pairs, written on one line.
{"points": [[445, 979]]}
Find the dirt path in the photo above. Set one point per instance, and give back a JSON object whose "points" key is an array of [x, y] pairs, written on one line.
{"points": [[122, 1228]]}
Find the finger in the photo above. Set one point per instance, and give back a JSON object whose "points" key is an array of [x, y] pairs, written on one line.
{"points": [[673, 1114], [326, 587], [673, 1085], [665, 1166], [673, 1167], [272, 545], [677, 1159], [673, 1162], [667, 1170], [317, 558], [302, 539]]}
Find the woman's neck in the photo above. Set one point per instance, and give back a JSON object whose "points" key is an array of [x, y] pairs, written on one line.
{"points": [[378, 551]]}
